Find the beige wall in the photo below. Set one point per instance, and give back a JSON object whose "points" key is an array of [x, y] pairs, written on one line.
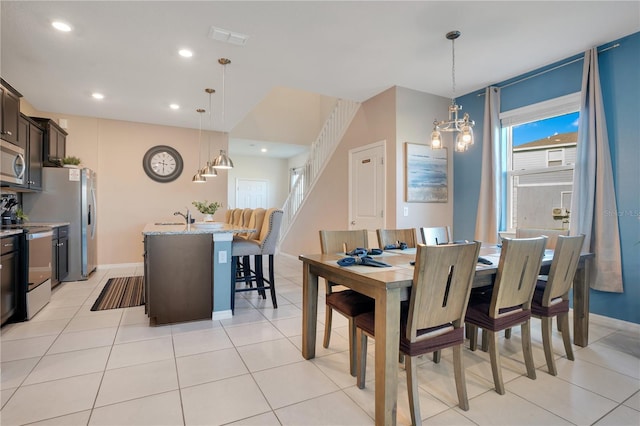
{"points": [[272, 170], [127, 198], [396, 115]]}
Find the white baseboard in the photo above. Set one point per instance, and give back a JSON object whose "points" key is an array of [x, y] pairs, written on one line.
{"points": [[614, 323], [220, 315], [120, 265]]}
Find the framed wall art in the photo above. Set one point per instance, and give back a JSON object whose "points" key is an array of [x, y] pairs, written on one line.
{"points": [[425, 174]]}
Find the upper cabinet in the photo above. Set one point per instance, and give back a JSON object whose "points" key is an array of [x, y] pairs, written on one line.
{"points": [[55, 142], [9, 112], [30, 138]]}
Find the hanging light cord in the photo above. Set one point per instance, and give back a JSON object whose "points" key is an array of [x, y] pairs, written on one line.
{"points": [[453, 71], [210, 128], [200, 111]]}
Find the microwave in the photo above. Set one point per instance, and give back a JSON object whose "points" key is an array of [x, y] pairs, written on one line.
{"points": [[12, 163]]}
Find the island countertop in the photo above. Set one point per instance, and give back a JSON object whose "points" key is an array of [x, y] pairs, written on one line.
{"points": [[170, 228]]}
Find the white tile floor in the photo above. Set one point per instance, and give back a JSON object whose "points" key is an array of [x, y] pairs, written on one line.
{"points": [[71, 366]]}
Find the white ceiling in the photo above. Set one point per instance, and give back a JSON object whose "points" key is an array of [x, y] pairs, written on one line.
{"points": [[128, 50]]}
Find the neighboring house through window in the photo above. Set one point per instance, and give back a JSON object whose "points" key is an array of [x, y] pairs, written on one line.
{"points": [[541, 142]]}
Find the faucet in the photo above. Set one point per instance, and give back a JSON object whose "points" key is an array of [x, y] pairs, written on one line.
{"points": [[186, 217]]}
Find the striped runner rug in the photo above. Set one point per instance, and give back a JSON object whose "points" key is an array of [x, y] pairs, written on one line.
{"points": [[120, 292]]}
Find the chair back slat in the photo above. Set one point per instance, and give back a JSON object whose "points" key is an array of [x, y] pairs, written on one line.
{"points": [[442, 282], [392, 236], [432, 236], [518, 270], [335, 241], [551, 234], [563, 267]]}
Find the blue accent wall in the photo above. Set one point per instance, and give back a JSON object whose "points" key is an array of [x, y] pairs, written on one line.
{"points": [[620, 82]]}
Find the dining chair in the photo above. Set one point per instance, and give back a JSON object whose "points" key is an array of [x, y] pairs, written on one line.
{"points": [[433, 319], [228, 215], [237, 217], [551, 234], [432, 236], [508, 302], [388, 237], [246, 216], [348, 303], [550, 297], [265, 245], [243, 264]]}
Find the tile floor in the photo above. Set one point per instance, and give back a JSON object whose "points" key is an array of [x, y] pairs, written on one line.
{"points": [[71, 366]]}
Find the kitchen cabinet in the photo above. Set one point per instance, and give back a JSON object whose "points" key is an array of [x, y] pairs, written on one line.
{"points": [[54, 142], [178, 277], [9, 261], [60, 255], [9, 112], [30, 138]]}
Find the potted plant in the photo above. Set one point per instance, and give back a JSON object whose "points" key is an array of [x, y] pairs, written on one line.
{"points": [[20, 216], [70, 161], [207, 209]]}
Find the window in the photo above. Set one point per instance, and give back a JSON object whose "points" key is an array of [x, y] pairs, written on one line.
{"points": [[541, 142]]}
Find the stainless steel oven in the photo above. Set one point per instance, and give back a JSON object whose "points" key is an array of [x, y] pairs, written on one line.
{"points": [[39, 258], [12, 164]]}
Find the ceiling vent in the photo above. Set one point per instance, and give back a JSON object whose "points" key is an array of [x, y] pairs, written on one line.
{"points": [[227, 36]]}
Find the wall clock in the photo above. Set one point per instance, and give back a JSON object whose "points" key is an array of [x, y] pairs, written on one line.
{"points": [[162, 163]]}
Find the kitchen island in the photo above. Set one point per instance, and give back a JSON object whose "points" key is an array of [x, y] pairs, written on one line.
{"points": [[187, 271]]}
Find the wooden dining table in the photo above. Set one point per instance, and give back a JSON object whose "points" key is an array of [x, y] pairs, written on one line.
{"points": [[389, 286]]}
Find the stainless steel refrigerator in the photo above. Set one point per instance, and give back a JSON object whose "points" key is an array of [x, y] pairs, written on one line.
{"points": [[69, 195]]}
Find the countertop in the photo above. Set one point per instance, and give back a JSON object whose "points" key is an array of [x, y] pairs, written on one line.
{"points": [[18, 229], [170, 228]]}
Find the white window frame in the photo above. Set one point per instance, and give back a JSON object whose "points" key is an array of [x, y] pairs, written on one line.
{"points": [[558, 106]]}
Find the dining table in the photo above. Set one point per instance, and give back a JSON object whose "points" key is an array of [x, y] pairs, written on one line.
{"points": [[388, 286]]}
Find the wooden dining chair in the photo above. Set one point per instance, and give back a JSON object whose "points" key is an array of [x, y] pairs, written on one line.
{"points": [[388, 237], [508, 302], [551, 296], [432, 236], [433, 319], [551, 234], [348, 302]]}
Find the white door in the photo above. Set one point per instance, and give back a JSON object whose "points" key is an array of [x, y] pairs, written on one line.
{"points": [[251, 193], [367, 187]]}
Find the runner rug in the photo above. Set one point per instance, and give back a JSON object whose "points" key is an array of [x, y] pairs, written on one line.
{"points": [[120, 292]]}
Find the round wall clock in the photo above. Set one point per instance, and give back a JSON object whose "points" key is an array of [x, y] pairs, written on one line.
{"points": [[162, 163]]}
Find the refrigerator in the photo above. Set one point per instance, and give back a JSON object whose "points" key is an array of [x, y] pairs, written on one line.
{"points": [[69, 195]]}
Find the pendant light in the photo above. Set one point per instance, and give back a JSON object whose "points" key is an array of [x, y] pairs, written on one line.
{"points": [[209, 170], [198, 178], [222, 161], [462, 126]]}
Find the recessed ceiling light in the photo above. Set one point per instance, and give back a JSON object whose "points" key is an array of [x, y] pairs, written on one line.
{"points": [[61, 26], [186, 53], [97, 95], [263, 150], [174, 106]]}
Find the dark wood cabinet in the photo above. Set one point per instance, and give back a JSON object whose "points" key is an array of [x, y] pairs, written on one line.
{"points": [[60, 258], [178, 277], [10, 261], [9, 112], [30, 138], [54, 142]]}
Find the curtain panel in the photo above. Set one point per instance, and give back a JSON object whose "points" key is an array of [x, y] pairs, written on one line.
{"points": [[593, 203], [489, 203]]}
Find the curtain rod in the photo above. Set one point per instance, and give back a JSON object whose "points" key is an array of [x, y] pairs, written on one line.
{"points": [[552, 69]]}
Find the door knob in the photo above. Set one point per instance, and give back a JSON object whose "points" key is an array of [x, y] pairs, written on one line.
{"points": [[353, 222]]}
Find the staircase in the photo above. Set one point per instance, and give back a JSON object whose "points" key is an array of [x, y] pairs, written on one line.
{"points": [[321, 150]]}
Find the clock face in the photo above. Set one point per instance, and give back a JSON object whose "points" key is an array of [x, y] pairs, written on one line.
{"points": [[162, 163]]}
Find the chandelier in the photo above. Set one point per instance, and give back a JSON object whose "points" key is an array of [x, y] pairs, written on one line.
{"points": [[462, 126]]}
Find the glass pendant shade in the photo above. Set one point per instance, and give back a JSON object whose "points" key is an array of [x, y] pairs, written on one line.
{"points": [[209, 170], [222, 161], [436, 139], [461, 146]]}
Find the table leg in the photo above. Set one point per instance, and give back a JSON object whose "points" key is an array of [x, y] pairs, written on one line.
{"points": [[387, 331], [581, 305], [309, 311]]}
